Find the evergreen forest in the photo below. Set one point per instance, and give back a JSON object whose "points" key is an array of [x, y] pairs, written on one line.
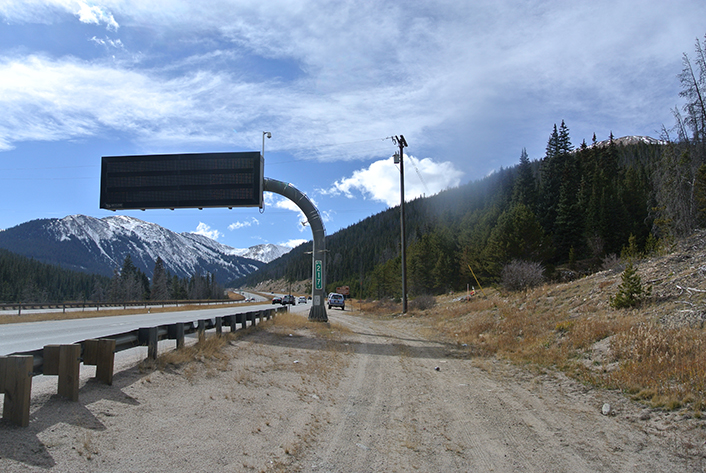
{"points": [[567, 213], [26, 280]]}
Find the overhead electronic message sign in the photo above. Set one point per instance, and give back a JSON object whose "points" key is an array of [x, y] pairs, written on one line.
{"points": [[170, 181]]}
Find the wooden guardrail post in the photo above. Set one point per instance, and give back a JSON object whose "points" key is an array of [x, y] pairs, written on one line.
{"points": [[69, 371], [201, 330], [231, 320], [219, 326], [101, 354], [176, 332], [16, 383], [64, 361], [149, 336]]}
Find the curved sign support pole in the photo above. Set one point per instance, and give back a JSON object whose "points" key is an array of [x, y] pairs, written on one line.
{"points": [[318, 283]]}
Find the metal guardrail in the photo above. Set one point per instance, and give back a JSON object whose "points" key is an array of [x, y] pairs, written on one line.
{"points": [[20, 306], [17, 369]]}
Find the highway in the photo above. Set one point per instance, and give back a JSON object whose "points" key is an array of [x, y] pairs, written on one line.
{"points": [[21, 337]]}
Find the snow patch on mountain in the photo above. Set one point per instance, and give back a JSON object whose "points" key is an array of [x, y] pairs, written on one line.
{"points": [[265, 252], [106, 242], [629, 140]]}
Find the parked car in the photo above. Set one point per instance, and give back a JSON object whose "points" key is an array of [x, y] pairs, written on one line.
{"points": [[289, 299], [336, 300], [276, 300], [302, 300]]}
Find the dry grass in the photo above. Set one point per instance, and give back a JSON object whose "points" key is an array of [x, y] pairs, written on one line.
{"points": [[209, 354], [672, 359], [383, 308], [235, 296], [571, 327]]}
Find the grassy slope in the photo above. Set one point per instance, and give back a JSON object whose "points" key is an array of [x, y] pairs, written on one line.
{"points": [[654, 352]]}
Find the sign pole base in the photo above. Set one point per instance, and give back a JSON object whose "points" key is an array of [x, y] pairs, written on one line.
{"points": [[318, 314]]}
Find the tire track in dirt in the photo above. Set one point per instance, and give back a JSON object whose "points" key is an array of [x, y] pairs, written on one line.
{"points": [[398, 413], [359, 421]]}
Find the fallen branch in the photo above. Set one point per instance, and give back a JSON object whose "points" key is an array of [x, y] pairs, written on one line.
{"points": [[689, 290]]}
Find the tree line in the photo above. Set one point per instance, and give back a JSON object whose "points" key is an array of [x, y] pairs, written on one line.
{"points": [[26, 280], [129, 283], [568, 212]]}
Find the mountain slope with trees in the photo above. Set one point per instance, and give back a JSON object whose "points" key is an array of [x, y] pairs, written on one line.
{"points": [[26, 280], [567, 212]]}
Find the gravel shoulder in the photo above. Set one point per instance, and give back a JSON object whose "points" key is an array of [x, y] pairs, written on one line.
{"points": [[361, 395]]}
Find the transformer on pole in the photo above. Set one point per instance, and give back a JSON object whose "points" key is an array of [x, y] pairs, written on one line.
{"points": [[402, 143]]}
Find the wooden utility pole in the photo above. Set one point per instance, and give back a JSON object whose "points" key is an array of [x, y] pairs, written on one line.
{"points": [[400, 141]]}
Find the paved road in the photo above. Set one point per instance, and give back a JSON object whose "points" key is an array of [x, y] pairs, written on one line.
{"points": [[29, 336]]}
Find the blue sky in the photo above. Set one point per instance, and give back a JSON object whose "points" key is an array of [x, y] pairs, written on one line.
{"points": [[468, 83]]}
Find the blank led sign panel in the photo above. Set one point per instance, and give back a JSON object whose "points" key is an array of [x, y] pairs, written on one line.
{"points": [[179, 181]]}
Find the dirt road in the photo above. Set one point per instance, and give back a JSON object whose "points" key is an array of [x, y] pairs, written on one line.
{"points": [[364, 395]]}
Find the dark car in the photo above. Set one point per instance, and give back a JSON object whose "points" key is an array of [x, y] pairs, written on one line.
{"points": [[276, 300], [289, 299]]}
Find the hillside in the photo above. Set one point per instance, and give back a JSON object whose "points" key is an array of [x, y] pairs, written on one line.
{"points": [[653, 353], [559, 211]]}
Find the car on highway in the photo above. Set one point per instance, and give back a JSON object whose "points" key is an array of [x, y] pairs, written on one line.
{"points": [[276, 300], [289, 299], [302, 300], [336, 300]]}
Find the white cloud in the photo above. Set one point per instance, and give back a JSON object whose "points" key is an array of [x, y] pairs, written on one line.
{"points": [[381, 180], [293, 243], [444, 77], [286, 204], [45, 99], [96, 15], [107, 42], [205, 230], [245, 224]]}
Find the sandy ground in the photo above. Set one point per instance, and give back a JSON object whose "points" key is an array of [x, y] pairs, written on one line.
{"points": [[363, 395]]}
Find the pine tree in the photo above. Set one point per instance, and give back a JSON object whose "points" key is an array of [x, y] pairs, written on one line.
{"points": [[630, 291], [518, 235], [160, 285], [694, 91], [524, 191], [563, 142], [554, 172]]}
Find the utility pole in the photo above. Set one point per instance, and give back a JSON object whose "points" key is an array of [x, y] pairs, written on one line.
{"points": [[400, 141]]}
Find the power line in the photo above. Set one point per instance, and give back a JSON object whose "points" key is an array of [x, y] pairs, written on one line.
{"points": [[320, 149]]}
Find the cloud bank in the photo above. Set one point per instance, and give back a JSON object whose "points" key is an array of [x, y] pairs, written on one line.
{"points": [[458, 74], [381, 180]]}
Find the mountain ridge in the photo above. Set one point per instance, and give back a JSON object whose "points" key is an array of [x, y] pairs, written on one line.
{"points": [[100, 246]]}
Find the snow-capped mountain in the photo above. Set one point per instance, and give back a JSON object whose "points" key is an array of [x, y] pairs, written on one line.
{"points": [[265, 252], [101, 245], [629, 140]]}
